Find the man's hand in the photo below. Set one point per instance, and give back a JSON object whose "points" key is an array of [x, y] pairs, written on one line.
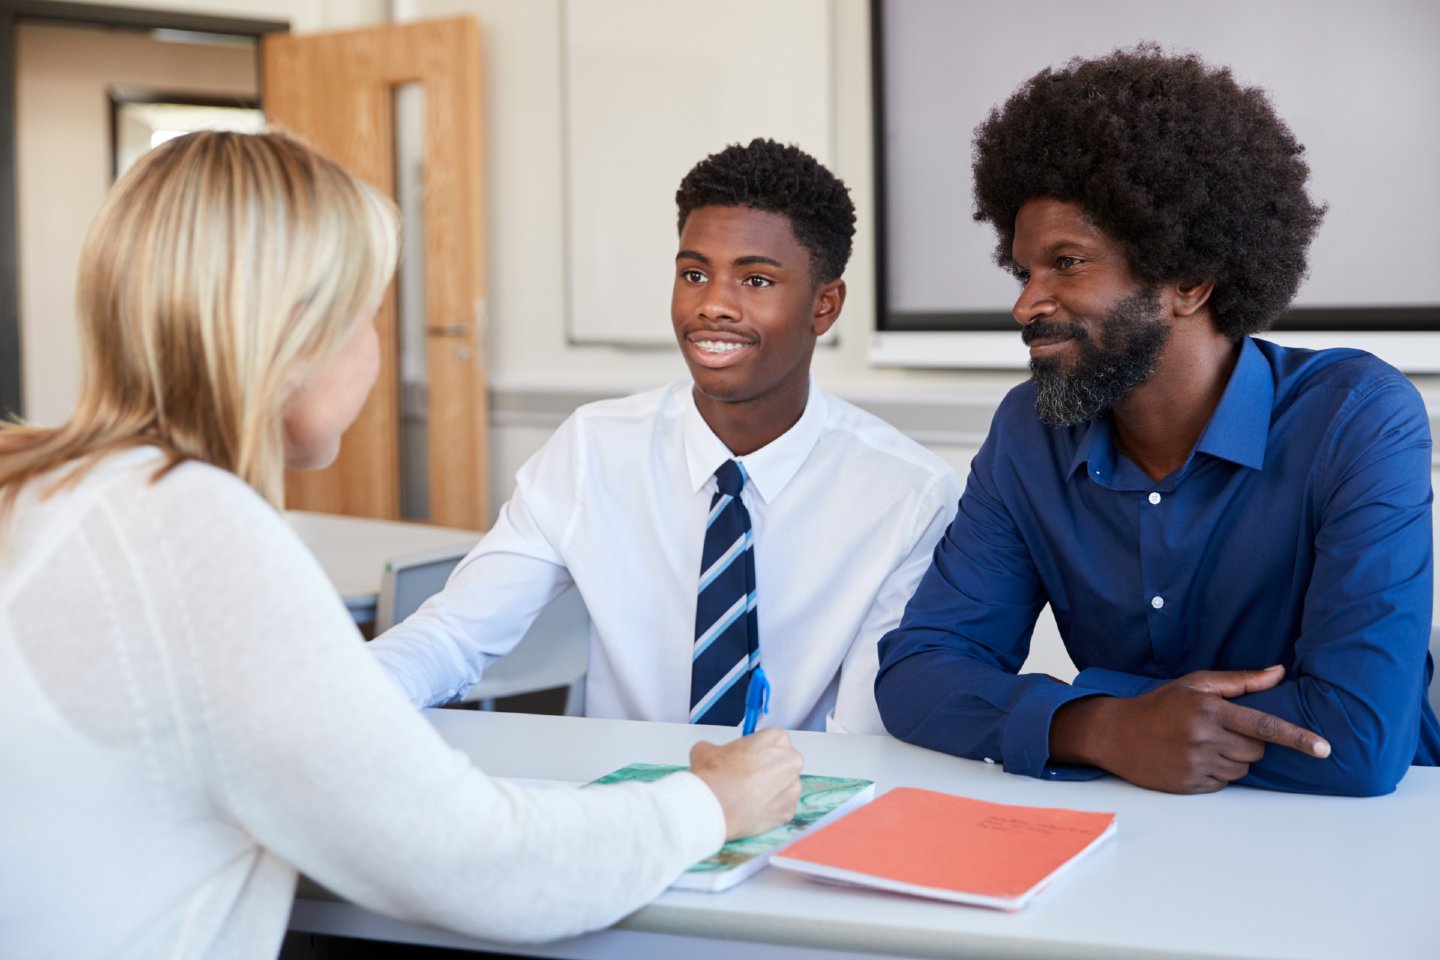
{"points": [[1185, 737], [756, 779]]}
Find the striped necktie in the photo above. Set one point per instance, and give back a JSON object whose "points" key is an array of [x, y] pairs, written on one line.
{"points": [[727, 635]]}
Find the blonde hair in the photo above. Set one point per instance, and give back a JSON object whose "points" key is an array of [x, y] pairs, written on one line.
{"points": [[218, 272]]}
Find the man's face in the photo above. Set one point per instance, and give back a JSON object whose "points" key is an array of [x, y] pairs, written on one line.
{"points": [[1094, 333], [745, 308]]}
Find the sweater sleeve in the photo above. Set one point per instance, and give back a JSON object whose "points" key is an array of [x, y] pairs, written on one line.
{"points": [[308, 747]]}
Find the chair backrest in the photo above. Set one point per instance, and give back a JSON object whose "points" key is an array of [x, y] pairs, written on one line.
{"points": [[555, 652], [1435, 679], [410, 580]]}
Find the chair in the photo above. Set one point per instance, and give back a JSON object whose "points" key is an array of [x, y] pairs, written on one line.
{"points": [[1435, 680], [553, 653], [411, 579]]}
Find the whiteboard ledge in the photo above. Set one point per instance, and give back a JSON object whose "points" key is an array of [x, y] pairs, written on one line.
{"points": [[1415, 353]]}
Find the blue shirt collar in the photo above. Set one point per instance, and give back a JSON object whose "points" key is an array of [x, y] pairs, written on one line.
{"points": [[1238, 429], [1240, 426]]}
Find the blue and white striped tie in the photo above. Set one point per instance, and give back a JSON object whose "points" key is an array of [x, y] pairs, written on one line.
{"points": [[727, 635]]}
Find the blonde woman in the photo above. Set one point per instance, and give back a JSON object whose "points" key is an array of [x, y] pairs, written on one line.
{"points": [[189, 717]]}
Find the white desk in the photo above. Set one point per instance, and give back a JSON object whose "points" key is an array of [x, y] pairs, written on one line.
{"points": [[1241, 873], [353, 550]]}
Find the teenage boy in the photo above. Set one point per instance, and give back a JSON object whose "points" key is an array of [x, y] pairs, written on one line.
{"points": [[742, 518], [1234, 536]]}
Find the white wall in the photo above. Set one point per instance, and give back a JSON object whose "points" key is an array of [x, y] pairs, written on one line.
{"points": [[525, 183], [63, 165], [303, 15], [62, 152], [535, 373], [525, 146]]}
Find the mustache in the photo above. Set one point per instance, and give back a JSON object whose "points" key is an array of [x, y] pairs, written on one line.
{"points": [[1048, 331]]}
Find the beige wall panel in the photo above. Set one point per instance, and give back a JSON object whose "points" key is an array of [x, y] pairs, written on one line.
{"points": [[63, 170], [302, 15]]}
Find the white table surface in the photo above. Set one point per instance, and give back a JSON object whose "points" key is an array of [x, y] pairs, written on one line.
{"points": [[1242, 873], [353, 550]]}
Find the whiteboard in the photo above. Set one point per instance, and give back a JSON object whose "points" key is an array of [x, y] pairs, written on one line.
{"points": [[651, 88], [1357, 82]]}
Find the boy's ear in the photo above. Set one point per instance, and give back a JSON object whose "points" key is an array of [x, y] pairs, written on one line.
{"points": [[829, 301]]}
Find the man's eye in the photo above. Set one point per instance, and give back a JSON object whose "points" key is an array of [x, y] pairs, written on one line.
{"points": [[758, 281], [1022, 277], [1065, 263], [692, 276]]}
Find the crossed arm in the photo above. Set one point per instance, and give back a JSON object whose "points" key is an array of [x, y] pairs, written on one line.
{"points": [[1183, 737]]}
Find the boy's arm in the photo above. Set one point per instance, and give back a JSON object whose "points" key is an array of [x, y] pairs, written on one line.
{"points": [[948, 674], [855, 710], [442, 649], [495, 594]]}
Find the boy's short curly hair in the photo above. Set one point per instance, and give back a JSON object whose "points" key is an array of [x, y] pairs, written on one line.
{"points": [[765, 175], [1192, 173]]}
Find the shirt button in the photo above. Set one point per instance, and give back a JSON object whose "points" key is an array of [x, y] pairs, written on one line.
{"points": [[1157, 602], [988, 760], [1154, 498]]}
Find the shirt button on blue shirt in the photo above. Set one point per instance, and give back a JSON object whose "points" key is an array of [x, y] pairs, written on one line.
{"points": [[1157, 602], [1154, 498]]}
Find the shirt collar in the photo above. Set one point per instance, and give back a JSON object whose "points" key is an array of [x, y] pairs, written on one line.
{"points": [[1240, 426], [1238, 429], [1094, 448], [772, 466]]}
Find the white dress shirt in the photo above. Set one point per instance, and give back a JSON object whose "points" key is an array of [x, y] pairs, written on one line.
{"points": [[845, 510]]}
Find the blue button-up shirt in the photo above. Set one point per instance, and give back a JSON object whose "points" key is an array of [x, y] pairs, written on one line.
{"points": [[1297, 532]]}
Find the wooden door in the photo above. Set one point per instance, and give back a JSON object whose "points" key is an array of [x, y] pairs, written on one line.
{"points": [[337, 91]]}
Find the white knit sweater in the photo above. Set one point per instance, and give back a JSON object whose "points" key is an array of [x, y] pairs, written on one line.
{"points": [[187, 717]]}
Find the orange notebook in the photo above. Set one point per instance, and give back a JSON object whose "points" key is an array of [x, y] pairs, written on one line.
{"points": [[951, 848]]}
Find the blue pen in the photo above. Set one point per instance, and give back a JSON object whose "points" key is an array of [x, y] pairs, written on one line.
{"points": [[757, 700]]}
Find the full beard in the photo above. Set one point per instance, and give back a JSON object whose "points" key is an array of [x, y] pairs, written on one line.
{"points": [[1134, 334]]}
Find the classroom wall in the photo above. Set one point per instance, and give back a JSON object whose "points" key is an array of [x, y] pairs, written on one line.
{"points": [[535, 370], [537, 374], [62, 121], [525, 146], [303, 15], [62, 151]]}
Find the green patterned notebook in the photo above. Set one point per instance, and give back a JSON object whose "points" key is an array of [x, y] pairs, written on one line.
{"points": [[822, 799]]}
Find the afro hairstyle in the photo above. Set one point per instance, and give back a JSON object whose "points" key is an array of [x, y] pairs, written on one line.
{"points": [[777, 178], [1193, 174]]}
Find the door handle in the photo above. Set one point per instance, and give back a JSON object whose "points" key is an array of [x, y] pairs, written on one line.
{"points": [[448, 329]]}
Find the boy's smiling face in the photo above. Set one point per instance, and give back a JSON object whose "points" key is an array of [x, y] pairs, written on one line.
{"points": [[746, 308]]}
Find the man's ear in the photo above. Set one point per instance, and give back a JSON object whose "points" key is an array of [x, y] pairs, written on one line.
{"points": [[1190, 295], [829, 300]]}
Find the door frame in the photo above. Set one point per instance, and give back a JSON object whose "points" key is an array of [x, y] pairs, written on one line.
{"points": [[13, 12]]}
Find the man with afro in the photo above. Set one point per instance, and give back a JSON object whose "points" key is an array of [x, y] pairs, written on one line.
{"points": [[740, 518], [1234, 537]]}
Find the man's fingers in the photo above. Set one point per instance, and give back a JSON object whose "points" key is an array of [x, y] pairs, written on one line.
{"points": [[1271, 729], [1229, 770], [1238, 748], [1236, 683]]}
